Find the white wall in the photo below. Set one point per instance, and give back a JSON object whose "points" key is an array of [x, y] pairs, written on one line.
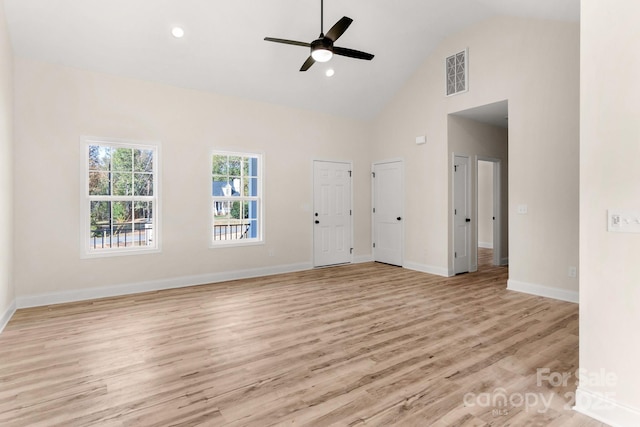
{"points": [[474, 139], [6, 173], [534, 65], [56, 105], [610, 179], [485, 204]]}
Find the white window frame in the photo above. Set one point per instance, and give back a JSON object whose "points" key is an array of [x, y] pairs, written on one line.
{"points": [[259, 239], [86, 250]]}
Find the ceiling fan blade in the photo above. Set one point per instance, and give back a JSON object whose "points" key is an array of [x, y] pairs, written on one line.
{"points": [[308, 63], [338, 28], [343, 51], [285, 41]]}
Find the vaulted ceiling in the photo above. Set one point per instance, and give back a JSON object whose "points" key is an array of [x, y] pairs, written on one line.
{"points": [[223, 50]]}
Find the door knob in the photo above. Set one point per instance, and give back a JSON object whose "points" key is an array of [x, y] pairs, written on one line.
{"points": [[317, 222], [399, 218], [468, 220]]}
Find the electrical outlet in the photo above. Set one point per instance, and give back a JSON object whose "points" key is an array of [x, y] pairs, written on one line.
{"points": [[522, 209], [573, 272], [272, 252]]}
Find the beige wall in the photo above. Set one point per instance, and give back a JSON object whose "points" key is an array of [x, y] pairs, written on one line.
{"points": [[485, 204], [531, 63], [610, 179], [535, 66], [6, 171], [473, 139], [56, 105]]}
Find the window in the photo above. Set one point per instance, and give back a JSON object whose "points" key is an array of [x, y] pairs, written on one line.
{"points": [[236, 188], [456, 70], [120, 198]]}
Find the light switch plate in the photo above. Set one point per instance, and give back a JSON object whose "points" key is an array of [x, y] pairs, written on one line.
{"points": [[619, 221]]}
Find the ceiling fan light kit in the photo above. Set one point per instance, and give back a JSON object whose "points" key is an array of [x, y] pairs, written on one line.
{"points": [[322, 49]]}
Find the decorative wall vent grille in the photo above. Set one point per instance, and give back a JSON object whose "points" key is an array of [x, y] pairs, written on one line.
{"points": [[456, 69]]}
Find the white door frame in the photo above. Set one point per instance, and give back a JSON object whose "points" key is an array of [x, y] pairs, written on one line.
{"points": [[402, 206], [312, 222], [497, 208]]}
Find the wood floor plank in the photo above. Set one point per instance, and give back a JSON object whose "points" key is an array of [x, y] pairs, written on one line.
{"points": [[349, 345]]}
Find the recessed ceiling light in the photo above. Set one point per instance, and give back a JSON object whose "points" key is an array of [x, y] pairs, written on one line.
{"points": [[177, 32], [329, 72]]}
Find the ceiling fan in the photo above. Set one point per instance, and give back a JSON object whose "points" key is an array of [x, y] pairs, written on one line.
{"points": [[322, 48]]}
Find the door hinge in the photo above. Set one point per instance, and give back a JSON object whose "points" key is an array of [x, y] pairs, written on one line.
{"points": [[350, 212], [373, 174], [374, 210], [455, 211], [455, 168], [374, 245], [351, 251], [455, 254], [349, 173]]}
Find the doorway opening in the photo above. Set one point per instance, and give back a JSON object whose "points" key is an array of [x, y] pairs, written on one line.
{"points": [[480, 135], [488, 208]]}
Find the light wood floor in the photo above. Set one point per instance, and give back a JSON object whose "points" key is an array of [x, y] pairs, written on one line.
{"points": [[485, 259], [366, 344]]}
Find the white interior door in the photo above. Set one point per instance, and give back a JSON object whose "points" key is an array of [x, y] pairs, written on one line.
{"points": [[461, 215], [331, 213], [388, 201]]}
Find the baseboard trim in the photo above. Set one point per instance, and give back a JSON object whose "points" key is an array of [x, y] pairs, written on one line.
{"points": [[606, 410], [438, 271], [361, 259], [543, 291], [485, 245], [39, 300], [7, 315]]}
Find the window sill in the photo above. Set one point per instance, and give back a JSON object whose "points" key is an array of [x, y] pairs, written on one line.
{"points": [[235, 244], [121, 252]]}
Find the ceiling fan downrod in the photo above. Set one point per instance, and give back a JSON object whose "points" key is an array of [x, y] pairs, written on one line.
{"points": [[321, 18]]}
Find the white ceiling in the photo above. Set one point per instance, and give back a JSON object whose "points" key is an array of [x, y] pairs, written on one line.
{"points": [[223, 50]]}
